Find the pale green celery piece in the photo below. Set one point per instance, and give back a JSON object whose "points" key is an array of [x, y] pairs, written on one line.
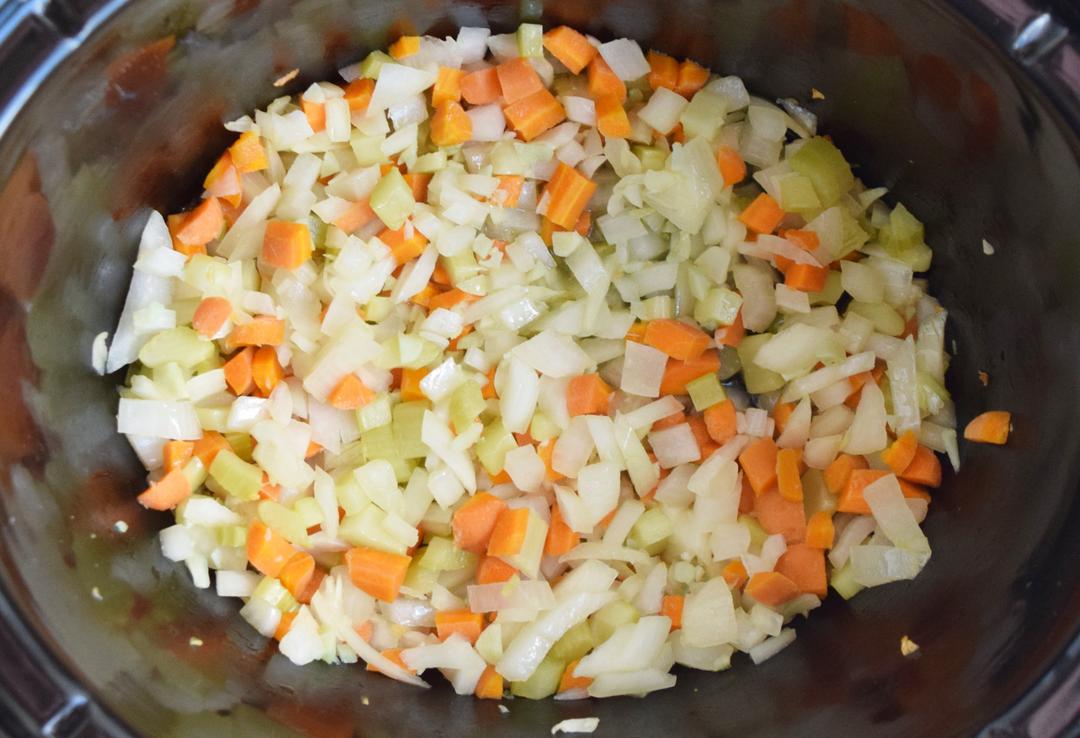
{"points": [[651, 531], [392, 199], [185, 310], [797, 194], [428, 353], [730, 364], [231, 536], [213, 487], [349, 495], [272, 591], [719, 307], [171, 378], [460, 267], [367, 150], [249, 273], [885, 319], [466, 404], [705, 391], [242, 444], [378, 443], [180, 345], [543, 428], [933, 397], [902, 238], [408, 420], [373, 63], [492, 447], [757, 533], [430, 163], [832, 291], [351, 455], [816, 496], [574, 644], [852, 235], [403, 468], [609, 617], [704, 115], [309, 511], [419, 579], [237, 477], [195, 472], [530, 38], [826, 167], [283, 520], [505, 159], [757, 380], [442, 555], [652, 157], [658, 307], [843, 581], [378, 309], [543, 683], [214, 362], [375, 414], [366, 529]]}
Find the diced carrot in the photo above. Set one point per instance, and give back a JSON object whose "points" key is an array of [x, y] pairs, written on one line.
{"points": [[804, 239], [839, 471], [820, 532], [924, 468], [167, 492], [203, 224], [238, 371], [913, 491], [678, 134], [763, 215], [451, 125], [732, 166], [393, 655], [720, 421], [734, 573], [450, 298], [990, 427], [379, 573], [447, 86], [489, 392], [286, 244], [356, 216], [518, 79], [404, 47], [758, 462], [508, 535], [677, 339], [611, 118], [418, 183], [266, 370], [466, 623], [285, 624], [771, 588], [492, 569], [474, 521], [313, 449], [603, 81], [545, 451], [423, 297], [747, 498], [490, 684], [410, 384], [781, 413], [587, 394], [175, 222], [568, 681], [637, 332], [779, 515], [570, 47], [731, 335], [481, 87], [297, 573], [787, 474], [806, 277], [211, 315], [223, 181], [692, 77], [350, 393], [672, 606], [851, 497], [267, 551], [315, 112], [569, 192], [670, 421], [805, 565], [508, 192], [584, 223], [532, 115], [358, 93], [560, 538], [663, 71], [899, 455], [403, 249], [208, 447], [706, 445], [678, 373], [365, 630], [176, 453], [247, 153]]}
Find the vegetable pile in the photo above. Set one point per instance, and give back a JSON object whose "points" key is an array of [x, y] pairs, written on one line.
{"points": [[544, 363]]}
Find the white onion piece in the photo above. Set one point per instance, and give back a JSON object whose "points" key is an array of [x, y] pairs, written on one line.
{"points": [[158, 418]]}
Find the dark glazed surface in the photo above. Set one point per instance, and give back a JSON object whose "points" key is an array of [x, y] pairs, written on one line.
{"points": [[924, 106]]}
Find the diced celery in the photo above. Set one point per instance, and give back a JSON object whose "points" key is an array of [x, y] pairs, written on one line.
{"points": [[609, 617], [466, 404], [375, 414], [843, 581], [392, 199], [442, 555], [237, 477], [543, 683], [492, 447], [366, 529], [816, 496], [272, 591], [933, 397], [530, 38], [242, 444], [758, 380], [902, 238], [719, 307], [378, 309], [885, 319], [757, 533], [797, 194], [704, 115], [658, 307], [460, 267], [284, 521], [373, 62], [231, 536], [490, 644], [652, 157], [195, 472], [730, 364], [368, 150], [705, 391], [826, 167], [574, 644], [170, 378], [249, 272], [378, 443], [214, 362], [527, 559], [180, 345], [429, 163], [422, 353], [349, 495], [408, 419], [419, 579], [213, 418], [831, 292], [542, 428], [651, 531], [309, 511]]}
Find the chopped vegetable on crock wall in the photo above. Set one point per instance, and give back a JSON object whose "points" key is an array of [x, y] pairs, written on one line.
{"points": [[545, 363]]}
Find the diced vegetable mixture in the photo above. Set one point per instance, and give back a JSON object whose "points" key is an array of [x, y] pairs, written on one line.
{"points": [[541, 362]]}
